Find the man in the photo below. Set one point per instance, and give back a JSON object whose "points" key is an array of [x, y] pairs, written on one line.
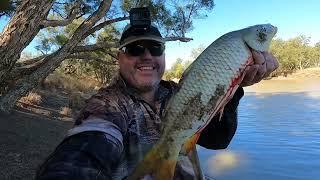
{"points": [[122, 121]]}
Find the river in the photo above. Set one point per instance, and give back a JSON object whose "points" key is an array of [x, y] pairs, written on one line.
{"points": [[278, 135]]}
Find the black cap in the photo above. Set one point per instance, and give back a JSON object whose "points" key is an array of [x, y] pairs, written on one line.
{"points": [[131, 34]]}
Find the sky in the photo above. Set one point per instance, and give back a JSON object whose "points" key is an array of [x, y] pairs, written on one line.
{"points": [[292, 17]]}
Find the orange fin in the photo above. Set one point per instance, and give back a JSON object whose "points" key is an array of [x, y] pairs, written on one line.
{"points": [[156, 165], [190, 143]]}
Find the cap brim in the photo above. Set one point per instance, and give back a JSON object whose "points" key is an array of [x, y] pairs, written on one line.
{"points": [[138, 38]]}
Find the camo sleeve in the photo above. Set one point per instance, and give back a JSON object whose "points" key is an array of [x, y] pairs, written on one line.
{"points": [[85, 156], [108, 105], [94, 145]]}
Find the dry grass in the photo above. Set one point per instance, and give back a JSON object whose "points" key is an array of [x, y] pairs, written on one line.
{"points": [[76, 100], [57, 81], [32, 98], [308, 73], [66, 111]]}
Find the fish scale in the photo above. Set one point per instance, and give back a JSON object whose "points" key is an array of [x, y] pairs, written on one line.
{"points": [[204, 90]]}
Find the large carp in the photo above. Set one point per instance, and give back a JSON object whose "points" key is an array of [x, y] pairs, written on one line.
{"points": [[205, 88]]}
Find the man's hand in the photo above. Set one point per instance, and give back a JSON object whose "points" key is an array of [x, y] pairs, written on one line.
{"points": [[264, 64]]}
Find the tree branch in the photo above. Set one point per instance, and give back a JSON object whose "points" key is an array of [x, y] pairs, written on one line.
{"points": [[31, 61], [77, 49], [91, 58], [182, 39], [112, 55], [103, 24], [75, 10], [26, 69], [91, 48], [94, 47]]}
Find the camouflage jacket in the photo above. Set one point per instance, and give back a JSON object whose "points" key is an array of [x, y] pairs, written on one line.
{"points": [[133, 125]]}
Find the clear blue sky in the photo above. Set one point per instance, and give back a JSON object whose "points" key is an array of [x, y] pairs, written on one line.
{"points": [[292, 17]]}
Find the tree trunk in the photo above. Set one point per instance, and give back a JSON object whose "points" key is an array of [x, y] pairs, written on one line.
{"points": [[20, 31], [52, 61], [300, 65]]}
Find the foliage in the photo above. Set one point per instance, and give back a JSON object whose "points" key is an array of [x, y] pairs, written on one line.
{"points": [[197, 51], [173, 20], [52, 38], [58, 81], [177, 69], [295, 54]]}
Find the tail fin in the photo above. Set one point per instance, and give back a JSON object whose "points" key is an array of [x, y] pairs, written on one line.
{"points": [[190, 143], [155, 164]]}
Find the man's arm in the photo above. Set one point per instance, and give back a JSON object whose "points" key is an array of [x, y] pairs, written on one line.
{"points": [[93, 147], [87, 155], [218, 134]]}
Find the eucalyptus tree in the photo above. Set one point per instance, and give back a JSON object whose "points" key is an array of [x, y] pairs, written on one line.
{"points": [[29, 17]]}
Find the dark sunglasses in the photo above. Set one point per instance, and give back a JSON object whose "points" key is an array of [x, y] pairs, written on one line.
{"points": [[135, 49]]}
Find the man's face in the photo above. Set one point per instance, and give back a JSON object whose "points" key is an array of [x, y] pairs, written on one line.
{"points": [[142, 64]]}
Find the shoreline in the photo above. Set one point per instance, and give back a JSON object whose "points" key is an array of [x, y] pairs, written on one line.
{"points": [[285, 85], [301, 81]]}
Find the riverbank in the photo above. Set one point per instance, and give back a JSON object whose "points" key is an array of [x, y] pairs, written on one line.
{"points": [[300, 81]]}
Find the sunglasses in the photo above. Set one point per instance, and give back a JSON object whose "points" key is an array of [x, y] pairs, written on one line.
{"points": [[135, 49]]}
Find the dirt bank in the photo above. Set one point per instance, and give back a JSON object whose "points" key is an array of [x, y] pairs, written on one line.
{"points": [[300, 81], [29, 134]]}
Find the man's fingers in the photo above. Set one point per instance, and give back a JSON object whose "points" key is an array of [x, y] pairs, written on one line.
{"points": [[258, 57], [271, 64], [250, 75], [261, 72]]}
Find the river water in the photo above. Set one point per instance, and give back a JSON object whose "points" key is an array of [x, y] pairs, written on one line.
{"points": [[278, 135]]}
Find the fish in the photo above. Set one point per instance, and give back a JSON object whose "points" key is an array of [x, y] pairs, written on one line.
{"points": [[204, 89]]}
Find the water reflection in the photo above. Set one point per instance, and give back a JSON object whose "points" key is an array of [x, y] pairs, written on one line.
{"points": [[277, 138], [223, 162]]}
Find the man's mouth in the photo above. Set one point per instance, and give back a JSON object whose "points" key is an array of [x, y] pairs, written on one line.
{"points": [[146, 68]]}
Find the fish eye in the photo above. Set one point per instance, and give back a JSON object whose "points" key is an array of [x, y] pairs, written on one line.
{"points": [[262, 37]]}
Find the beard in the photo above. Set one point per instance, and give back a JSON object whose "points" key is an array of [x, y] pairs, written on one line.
{"points": [[140, 87], [146, 87]]}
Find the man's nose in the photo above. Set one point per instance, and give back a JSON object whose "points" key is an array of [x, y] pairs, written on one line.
{"points": [[146, 55]]}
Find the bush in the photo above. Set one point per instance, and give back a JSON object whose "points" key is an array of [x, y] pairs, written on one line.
{"points": [[58, 81], [66, 111], [76, 101], [32, 98]]}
